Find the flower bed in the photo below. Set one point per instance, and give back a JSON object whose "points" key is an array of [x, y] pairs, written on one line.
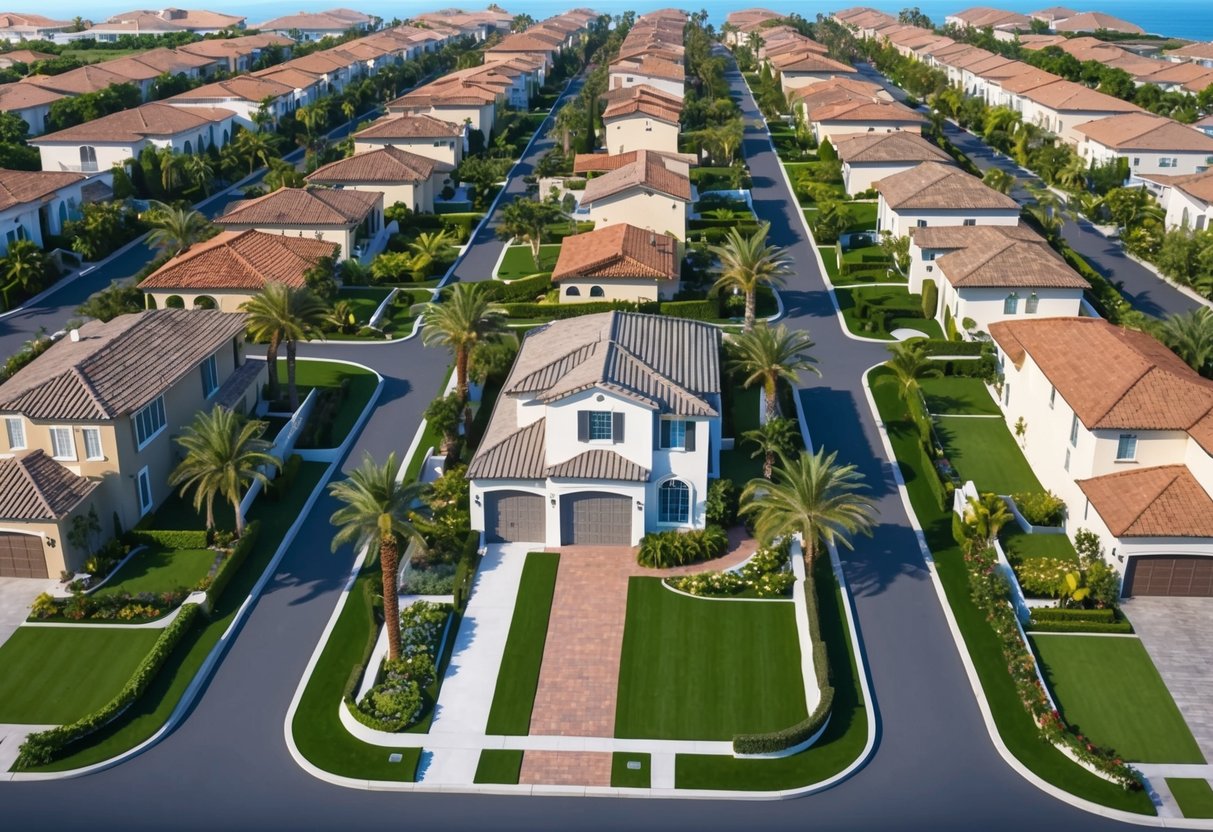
{"points": [[395, 701], [767, 574]]}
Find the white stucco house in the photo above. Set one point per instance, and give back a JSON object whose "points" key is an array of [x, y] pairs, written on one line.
{"points": [[869, 157], [1188, 200], [34, 203], [652, 192], [618, 262], [667, 76], [424, 135], [1151, 144], [641, 118], [608, 427], [938, 194]]}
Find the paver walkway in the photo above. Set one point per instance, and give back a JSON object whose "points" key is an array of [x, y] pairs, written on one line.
{"points": [[1175, 631], [580, 671], [565, 768]]}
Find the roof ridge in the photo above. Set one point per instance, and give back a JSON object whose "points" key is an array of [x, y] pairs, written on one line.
{"points": [[92, 391], [1136, 381], [1175, 474], [33, 483]]}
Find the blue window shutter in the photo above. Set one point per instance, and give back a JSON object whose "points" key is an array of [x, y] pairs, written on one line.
{"points": [[617, 427], [583, 426], [690, 435]]}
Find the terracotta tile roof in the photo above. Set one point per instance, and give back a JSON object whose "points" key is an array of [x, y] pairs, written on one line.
{"points": [[809, 62], [238, 88], [1113, 377], [618, 251], [932, 185], [1162, 501], [979, 17], [1196, 185], [648, 171], [116, 368], [419, 126], [35, 487], [1029, 79], [158, 61], [91, 78], [991, 258], [1066, 96], [603, 162], [157, 119], [1094, 21], [1145, 131], [900, 146], [866, 112], [520, 42], [1034, 42], [754, 15], [660, 106], [306, 207], [21, 22], [25, 56], [17, 96], [234, 47], [18, 187], [1011, 69], [652, 67], [309, 22], [185, 19], [835, 89], [241, 260], [447, 92], [1193, 51], [296, 79], [1053, 13], [384, 165]]}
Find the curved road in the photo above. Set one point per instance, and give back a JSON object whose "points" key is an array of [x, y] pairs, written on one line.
{"points": [[933, 766]]}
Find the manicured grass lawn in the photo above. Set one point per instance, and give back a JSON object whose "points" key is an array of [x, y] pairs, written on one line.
{"points": [[881, 295], [149, 712], [863, 216], [1109, 690], [518, 678], [1194, 796], [829, 256], [958, 395], [1019, 545], [498, 765], [1014, 724], [330, 374], [984, 451], [633, 778], [364, 300], [699, 669], [519, 262], [157, 569], [737, 464], [55, 675], [838, 746]]}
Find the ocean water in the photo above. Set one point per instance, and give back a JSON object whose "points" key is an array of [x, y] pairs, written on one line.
{"points": [[1192, 19]]}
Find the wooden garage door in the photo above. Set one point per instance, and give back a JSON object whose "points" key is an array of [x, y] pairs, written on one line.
{"points": [[513, 517], [1169, 575], [21, 556], [595, 519]]}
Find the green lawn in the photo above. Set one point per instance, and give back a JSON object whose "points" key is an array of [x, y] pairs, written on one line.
{"points": [[863, 216], [882, 295], [984, 451], [498, 765], [519, 262], [737, 465], [1014, 724], [55, 675], [364, 300], [1109, 690], [633, 778], [698, 669], [518, 678], [157, 569], [957, 395], [149, 712], [313, 373], [1019, 545], [829, 256], [1194, 796]]}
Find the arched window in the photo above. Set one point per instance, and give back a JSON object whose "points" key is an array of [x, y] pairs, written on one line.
{"points": [[596, 292], [572, 292], [205, 302], [174, 302], [673, 502], [189, 148]]}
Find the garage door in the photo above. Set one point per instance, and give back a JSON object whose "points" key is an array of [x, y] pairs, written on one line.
{"points": [[1169, 575], [21, 556], [513, 517], [595, 519]]}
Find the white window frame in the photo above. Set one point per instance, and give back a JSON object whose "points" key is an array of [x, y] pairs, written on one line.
{"points": [[1124, 439], [156, 404], [1052, 397], [11, 422], [88, 453], [690, 502], [140, 479], [71, 442], [210, 376]]}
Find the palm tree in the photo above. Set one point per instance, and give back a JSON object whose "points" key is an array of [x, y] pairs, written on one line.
{"points": [[170, 170], [175, 229], [199, 171], [774, 438], [984, 518], [1190, 336], [377, 509], [747, 263], [813, 496], [1072, 177], [909, 364], [282, 175], [224, 453], [278, 315], [463, 320], [568, 119], [257, 146], [999, 180], [1047, 209], [427, 248], [767, 354], [24, 266]]}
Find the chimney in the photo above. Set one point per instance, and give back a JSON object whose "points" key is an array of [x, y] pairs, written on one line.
{"points": [[74, 334]]}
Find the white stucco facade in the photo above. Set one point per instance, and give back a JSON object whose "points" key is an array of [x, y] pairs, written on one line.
{"points": [[643, 208], [639, 132], [987, 305], [898, 223], [446, 149], [1172, 162]]}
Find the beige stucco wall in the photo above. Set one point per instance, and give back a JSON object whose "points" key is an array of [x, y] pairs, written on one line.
{"points": [[859, 178], [986, 305], [640, 132], [343, 237], [644, 209], [224, 301], [441, 150], [617, 288]]}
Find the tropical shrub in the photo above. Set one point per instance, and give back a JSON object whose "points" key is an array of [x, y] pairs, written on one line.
{"points": [[721, 505], [1043, 577], [1041, 508], [395, 701], [439, 579], [659, 550], [767, 574]]}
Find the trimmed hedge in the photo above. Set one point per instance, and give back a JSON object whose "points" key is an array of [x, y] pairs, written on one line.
{"points": [[560, 311], [1079, 626], [184, 539], [44, 746], [465, 571], [1065, 614], [522, 290], [706, 309], [232, 563], [371, 590], [930, 298], [942, 346]]}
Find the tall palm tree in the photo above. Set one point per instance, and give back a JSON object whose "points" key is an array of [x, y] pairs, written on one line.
{"points": [[281, 315], [459, 323], [766, 354], [224, 454], [200, 173], [1190, 336], [1072, 177], [175, 229], [171, 170], [999, 180], [813, 496], [774, 438], [747, 263], [256, 146], [377, 508], [567, 120], [909, 363]]}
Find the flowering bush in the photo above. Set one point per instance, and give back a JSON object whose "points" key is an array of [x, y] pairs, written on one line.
{"points": [[396, 700], [123, 606], [1043, 577], [765, 575], [421, 626], [132, 611], [1041, 508]]}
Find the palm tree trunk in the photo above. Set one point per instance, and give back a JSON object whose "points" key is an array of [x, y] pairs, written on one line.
{"points": [[535, 242], [461, 381], [750, 303], [239, 517], [292, 389], [210, 511], [769, 387], [389, 563], [271, 358], [768, 465]]}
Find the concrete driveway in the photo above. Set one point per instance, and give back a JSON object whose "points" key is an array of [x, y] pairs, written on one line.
{"points": [[1175, 631], [16, 596]]}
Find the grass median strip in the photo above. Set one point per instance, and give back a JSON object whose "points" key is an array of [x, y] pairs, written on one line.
{"points": [[1194, 796], [499, 765], [631, 771], [514, 697]]}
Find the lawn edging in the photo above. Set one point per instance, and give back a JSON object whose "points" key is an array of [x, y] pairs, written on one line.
{"points": [[983, 704], [186, 702]]}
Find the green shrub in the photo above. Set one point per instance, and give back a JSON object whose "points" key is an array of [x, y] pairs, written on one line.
{"points": [[1042, 577], [930, 298], [721, 504], [227, 570], [44, 746], [1067, 614], [280, 485], [561, 311], [184, 539], [660, 550], [942, 346], [706, 309], [1080, 626], [522, 290], [465, 570], [1041, 508]]}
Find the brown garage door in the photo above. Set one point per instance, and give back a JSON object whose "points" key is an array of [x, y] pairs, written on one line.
{"points": [[21, 556], [1169, 575], [513, 517], [595, 519]]}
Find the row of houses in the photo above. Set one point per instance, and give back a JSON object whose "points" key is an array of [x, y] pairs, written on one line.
{"points": [[1006, 25]]}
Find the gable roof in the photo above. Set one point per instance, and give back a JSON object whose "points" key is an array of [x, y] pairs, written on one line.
{"points": [[933, 185], [899, 146], [649, 171], [653, 67], [156, 119], [115, 368], [1161, 501], [18, 187], [18, 96], [383, 165], [307, 207], [645, 100], [1094, 21], [240, 87], [601, 162], [618, 251], [1003, 257], [1145, 131], [241, 260], [809, 62], [866, 112], [417, 126], [1066, 96], [35, 487]]}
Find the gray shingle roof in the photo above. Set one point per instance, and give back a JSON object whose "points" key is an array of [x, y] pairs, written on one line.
{"points": [[35, 487], [600, 464], [518, 456]]}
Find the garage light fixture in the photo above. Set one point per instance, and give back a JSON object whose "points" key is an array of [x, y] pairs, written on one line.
{"points": [[639, 506], [552, 497]]}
